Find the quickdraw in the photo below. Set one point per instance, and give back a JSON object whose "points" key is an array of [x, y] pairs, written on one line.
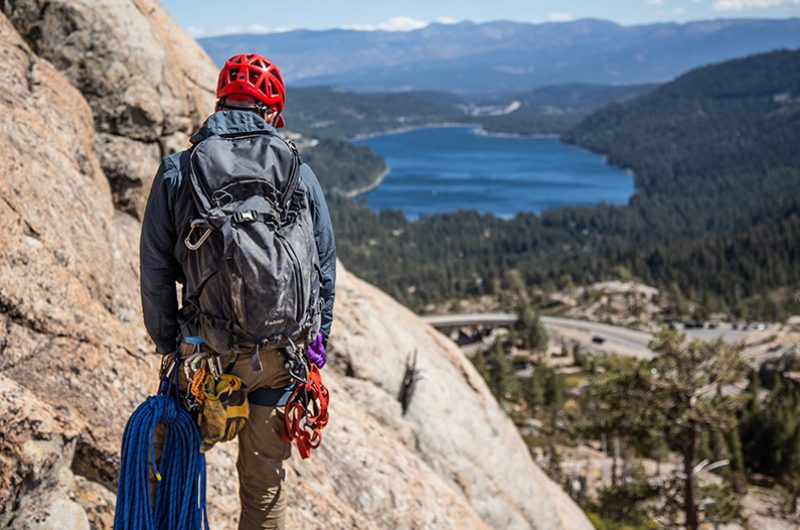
{"points": [[306, 413], [198, 384]]}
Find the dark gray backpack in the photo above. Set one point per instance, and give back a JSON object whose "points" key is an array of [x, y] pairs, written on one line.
{"points": [[252, 268]]}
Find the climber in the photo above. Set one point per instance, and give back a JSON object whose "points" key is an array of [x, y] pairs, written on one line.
{"points": [[242, 224]]}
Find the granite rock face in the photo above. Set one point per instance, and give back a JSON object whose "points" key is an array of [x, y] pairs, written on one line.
{"points": [[93, 93], [149, 85]]}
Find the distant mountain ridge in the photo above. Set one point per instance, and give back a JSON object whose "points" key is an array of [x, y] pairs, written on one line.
{"points": [[507, 56]]}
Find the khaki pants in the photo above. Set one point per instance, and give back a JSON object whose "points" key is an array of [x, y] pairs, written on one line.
{"points": [[261, 448]]}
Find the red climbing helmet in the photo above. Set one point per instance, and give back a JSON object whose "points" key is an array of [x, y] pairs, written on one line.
{"points": [[250, 74]]}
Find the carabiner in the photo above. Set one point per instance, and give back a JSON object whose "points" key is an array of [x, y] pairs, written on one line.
{"points": [[199, 242]]}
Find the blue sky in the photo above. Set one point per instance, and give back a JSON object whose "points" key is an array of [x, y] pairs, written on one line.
{"points": [[211, 17]]}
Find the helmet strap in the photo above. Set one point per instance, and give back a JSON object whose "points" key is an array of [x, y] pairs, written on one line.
{"points": [[262, 108], [265, 109]]}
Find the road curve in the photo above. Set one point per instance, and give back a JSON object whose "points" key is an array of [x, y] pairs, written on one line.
{"points": [[616, 339]]}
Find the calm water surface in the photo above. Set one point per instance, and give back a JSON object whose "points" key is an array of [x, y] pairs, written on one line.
{"points": [[454, 168]]}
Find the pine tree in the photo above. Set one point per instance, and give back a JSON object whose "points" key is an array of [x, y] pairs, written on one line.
{"points": [[499, 373], [680, 394], [530, 329], [687, 398], [534, 388]]}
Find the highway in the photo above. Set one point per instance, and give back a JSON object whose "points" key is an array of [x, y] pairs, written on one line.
{"points": [[615, 339], [472, 319]]}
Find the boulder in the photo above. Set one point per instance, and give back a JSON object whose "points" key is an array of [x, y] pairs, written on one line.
{"points": [[148, 85], [36, 449]]}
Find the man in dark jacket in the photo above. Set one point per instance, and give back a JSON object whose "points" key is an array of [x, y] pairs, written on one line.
{"points": [[251, 96]]}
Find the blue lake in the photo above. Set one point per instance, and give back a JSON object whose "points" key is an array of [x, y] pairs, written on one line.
{"points": [[455, 168]]}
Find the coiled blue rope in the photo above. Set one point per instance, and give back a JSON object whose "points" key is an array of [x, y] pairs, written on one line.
{"points": [[180, 501]]}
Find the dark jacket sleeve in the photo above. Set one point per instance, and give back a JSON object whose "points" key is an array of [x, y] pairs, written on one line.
{"points": [[326, 246], [158, 267]]}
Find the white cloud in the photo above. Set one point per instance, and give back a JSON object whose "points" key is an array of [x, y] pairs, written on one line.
{"points": [[208, 31], [393, 24], [655, 2], [744, 5], [678, 11], [560, 17], [400, 23]]}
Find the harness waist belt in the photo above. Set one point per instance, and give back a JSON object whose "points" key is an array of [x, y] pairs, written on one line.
{"points": [[270, 397]]}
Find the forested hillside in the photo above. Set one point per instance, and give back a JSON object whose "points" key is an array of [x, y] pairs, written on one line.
{"points": [[715, 216], [547, 110], [341, 166], [557, 109], [332, 111]]}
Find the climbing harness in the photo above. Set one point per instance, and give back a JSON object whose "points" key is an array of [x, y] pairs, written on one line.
{"points": [[306, 411], [180, 494], [222, 400]]}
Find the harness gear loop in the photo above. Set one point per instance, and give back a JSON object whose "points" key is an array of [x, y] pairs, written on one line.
{"points": [[296, 363], [255, 359], [306, 413]]}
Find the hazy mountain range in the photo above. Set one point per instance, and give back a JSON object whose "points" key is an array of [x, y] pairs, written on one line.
{"points": [[497, 56]]}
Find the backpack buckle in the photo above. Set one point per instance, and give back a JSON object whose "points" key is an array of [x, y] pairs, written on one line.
{"points": [[245, 217]]}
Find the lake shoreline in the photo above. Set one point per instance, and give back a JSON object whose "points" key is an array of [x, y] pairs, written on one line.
{"points": [[352, 194], [483, 132], [400, 130], [479, 130]]}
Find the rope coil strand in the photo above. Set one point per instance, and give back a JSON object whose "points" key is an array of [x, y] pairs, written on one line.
{"points": [[180, 501]]}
